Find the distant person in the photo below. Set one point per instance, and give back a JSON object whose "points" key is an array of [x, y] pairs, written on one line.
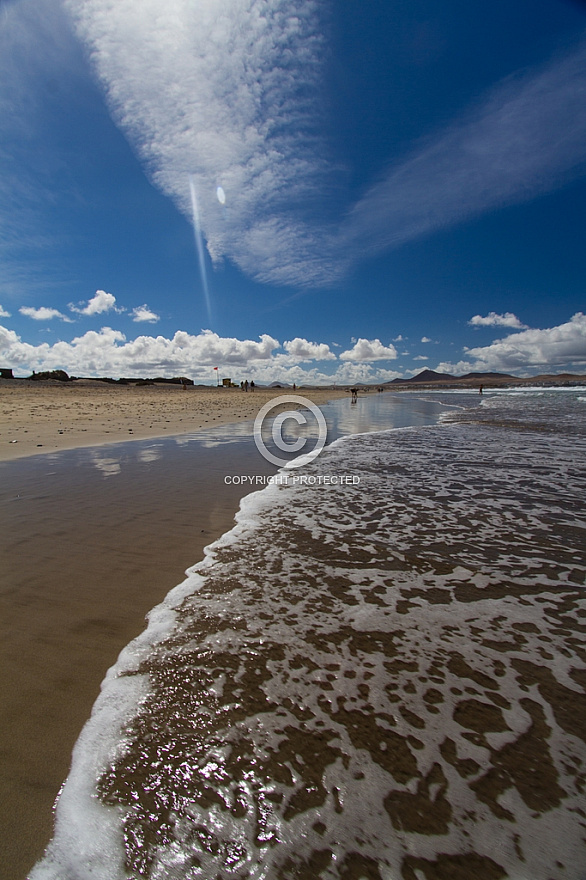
{"points": [[252, 386], [246, 385], [294, 387], [354, 393], [480, 390]]}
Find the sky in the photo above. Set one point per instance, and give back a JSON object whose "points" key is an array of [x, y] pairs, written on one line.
{"points": [[292, 190]]}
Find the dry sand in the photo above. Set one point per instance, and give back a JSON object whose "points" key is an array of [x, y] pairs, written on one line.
{"points": [[37, 417]]}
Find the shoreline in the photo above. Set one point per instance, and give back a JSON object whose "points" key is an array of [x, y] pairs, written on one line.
{"points": [[93, 539], [39, 419], [457, 633]]}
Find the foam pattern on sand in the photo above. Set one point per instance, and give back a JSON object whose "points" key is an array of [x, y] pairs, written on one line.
{"points": [[384, 680]]}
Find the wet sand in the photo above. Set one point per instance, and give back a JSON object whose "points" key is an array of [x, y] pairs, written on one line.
{"points": [[40, 417], [92, 540]]}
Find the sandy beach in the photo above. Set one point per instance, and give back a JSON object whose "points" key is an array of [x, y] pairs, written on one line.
{"points": [[37, 417], [96, 536], [87, 556]]}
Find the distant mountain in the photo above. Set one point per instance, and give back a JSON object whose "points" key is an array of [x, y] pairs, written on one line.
{"points": [[487, 376], [424, 376], [471, 380]]}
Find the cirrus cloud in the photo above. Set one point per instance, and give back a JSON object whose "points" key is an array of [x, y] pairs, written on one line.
{"points": [[227, 95], [224, 95]]}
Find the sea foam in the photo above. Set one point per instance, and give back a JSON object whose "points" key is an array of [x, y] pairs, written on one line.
{"points": [[383, 679]]}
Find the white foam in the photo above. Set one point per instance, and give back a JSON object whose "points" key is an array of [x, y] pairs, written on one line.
{"points": [[463, 486]]}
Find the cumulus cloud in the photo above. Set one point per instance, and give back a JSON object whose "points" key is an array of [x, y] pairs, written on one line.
{"points": [[99, 304], [555, 347], [425, 339], [369, 350], [302, 350], [494, 320], [143, 313], [351, 372], [108, 353], [421, 357], [43, 313], [4, 313]]}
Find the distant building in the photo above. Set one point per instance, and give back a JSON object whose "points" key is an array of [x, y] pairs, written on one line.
{"points": [[227, 383], [6, 374]]}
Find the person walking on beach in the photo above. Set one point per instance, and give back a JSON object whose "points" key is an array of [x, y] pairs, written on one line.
{"points": [[252, 386], [354, 392], [246, 385]]}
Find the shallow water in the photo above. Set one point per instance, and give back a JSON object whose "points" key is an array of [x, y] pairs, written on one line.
{"points": [[376, 678]]}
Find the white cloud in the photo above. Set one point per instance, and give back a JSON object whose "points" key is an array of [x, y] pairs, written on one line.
{"points": [[228, 92], [43, 313], [555, 347], [494, 320], [99, 304], [302, 350], [4, 313], [369, 350], [143, 313], [425, 339], [350, 372], [225, 92], [526, 138], [108, 353], [421, 357]]}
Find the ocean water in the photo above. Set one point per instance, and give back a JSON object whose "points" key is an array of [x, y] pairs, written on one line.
{"points": [[379, 673]]}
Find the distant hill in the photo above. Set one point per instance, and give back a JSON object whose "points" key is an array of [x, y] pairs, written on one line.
{"points": [[487, 376], [424, 376], [429, 377]]}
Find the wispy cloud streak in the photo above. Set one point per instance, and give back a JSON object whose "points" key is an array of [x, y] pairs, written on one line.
{"points": [[527, 138], [227, 93], [224, 94]]}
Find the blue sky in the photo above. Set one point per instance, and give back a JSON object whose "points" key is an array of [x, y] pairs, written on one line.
{"points": [[292, 190]]}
